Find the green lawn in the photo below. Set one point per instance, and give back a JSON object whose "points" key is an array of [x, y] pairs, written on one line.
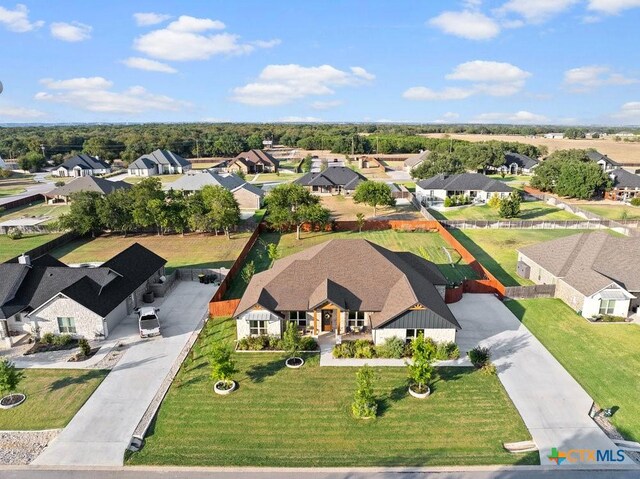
{"points": [[530, 210], [35, 210], [269, 177], [613, 212], [10, 191], [11, 248], [301, 418], [53, 398], [416, 242], [603, 358], [496, 249], [512, 180]]}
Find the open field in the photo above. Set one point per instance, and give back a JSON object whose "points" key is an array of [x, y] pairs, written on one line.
{"points": [[603, 358], [165, 179], [269, 177], [430, 243], [612, 212], [344, 208], [34, 211], [496, 249], [620, 151], [530, 210], [190, 250], [53, 398], [11, 248], [10, 191], [301, 418]]}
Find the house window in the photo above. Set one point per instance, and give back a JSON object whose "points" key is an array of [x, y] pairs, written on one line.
{"points": [[299, 318], [607, 306], [257, 328], [413, 333], [355, 319], [67, 325], [18, 318]]}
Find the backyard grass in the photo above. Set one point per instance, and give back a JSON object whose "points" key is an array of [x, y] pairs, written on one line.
{"points": [[512, 180], [603, 358], [530, 210], [613, 212], [301, 418], [11, 248], [190, 250], [35, 210], [496, 249], [10, 191], [53, 398], [163, 178], [269, 177], [344, 208], [430, 243]]}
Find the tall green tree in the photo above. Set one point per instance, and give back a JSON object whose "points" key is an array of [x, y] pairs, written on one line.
{"points": [[510, 206], [423, 353], [83, 217], [222, 209], [143, 193], [31, 161], [292, 205], [115, 211], [436, 164], [374, 194], [10, 377]]}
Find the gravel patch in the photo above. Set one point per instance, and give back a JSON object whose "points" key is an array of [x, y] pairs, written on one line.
{"points": [[112, 357], [22, 447]]}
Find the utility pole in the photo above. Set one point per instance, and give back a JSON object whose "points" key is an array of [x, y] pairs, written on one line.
{"points": [[352, 147], [43, 149]]}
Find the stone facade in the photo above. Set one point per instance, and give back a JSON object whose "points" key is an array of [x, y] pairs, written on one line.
{"points": [[88, 324], [438, 335], [247, 200]]}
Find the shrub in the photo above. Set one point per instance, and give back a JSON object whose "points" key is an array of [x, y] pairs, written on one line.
{"points": [[447, 350], [479, 356], [275, 343], [47, 338], [344, 350], [307, 343], [608, 318], [364, 402], [489, 369], [85, 349], [364, 349], [14, 233], [447, 202], [635, 202], [62, 340], [494, 201], [393, 347]]}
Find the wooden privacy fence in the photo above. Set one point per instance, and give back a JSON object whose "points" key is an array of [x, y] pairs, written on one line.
{"points": [[533, 291], [223, 308], [27, 200], [48, 246]]}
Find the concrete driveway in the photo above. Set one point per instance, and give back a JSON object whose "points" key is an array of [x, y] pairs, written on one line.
{"points": [[552, 404], [41, 186], [100, 432]]}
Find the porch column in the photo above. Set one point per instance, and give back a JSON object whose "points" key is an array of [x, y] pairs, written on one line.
{"points": [[315, 322]]}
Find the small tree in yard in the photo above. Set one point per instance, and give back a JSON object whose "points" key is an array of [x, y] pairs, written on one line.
{"points": [[291, 341], [494, 201], [360, 221], [222, 365], [364, 402], [248, 271], [420, 369], [374, 193], [10, 377], [273, 251], [510, 206]]}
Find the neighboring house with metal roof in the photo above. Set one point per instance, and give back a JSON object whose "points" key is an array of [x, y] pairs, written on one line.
{"points": [[82, 165], [626, 185], [416, 160], [334, 180], [253, 161], [516, 164], [85, 183], [478, 187], [606, 163], [159, 162], [47, 296], [594, 273], [249, 197], [348, 286]]}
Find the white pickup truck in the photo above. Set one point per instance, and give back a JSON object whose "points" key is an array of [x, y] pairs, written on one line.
{"points": [[148, 321]]}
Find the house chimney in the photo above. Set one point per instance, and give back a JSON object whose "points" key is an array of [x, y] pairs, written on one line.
{"points": [[24, 259]]}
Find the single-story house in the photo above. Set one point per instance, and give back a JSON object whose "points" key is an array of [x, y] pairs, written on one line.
{"points": [[334, 180], [85, 183], [47, 296], [478, 187], [253, 161], [3, 164], [606, 163], [594, 273], [416, 160], [249, 197], [159, 162], [348, 285], [626, 185], [516, 164], [82, 165], [370, 163]]}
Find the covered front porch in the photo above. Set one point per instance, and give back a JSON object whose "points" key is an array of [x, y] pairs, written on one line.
{"points": [[350, 324]]}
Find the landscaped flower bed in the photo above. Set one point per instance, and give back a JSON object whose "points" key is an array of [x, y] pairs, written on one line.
{"points": [[394, 348], [273, 343], [51, 342], [608, 318]]}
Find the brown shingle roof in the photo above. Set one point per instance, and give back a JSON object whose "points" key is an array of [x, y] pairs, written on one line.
{"points": [[258, 157], [354, 274]]}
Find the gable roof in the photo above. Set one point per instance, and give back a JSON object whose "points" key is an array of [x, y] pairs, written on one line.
{"points": [[98, 289], [523, 161], [142, 163], [597, 156], [624, 179], [159, 157], [464, 182], [196, 180], [332, 176], [257, 157], [590, 262], [86, 162], [88, 183], [355, 275], [415, 160]]}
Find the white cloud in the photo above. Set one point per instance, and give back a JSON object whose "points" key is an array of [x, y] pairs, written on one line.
{"points": [[487, 77], [300, 119], [584, 79], [325, 105], [448, 117], [19, 113], [148, 65], [71, 32], [518, 117], [187, 39], [466, 24], [94, 94], [145, 19], [629, 112], [280, 84], [17, 20], [537, 11], [612, 7]]}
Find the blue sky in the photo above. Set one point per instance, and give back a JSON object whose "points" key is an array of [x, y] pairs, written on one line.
{"points": [[509, 61]]}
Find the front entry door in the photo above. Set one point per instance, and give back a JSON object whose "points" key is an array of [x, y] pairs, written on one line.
{"points": [[327, 319]]}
